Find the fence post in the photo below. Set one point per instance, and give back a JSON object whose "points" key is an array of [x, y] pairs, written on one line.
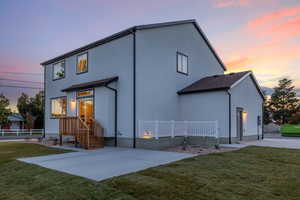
{"points": [[186, 128], [17, 132], [2, 132], [140, 129], [156, 129], [30, 131], [172, 128], [217, 129]]}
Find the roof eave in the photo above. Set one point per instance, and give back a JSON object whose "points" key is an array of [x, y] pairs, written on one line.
{"points": [[78, 87], [202, 91]]}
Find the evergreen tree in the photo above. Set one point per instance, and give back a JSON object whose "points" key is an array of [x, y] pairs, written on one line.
{"points": [[283, 103]]}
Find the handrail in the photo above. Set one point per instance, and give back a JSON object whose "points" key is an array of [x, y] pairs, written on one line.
{"points": [[83, 132]]}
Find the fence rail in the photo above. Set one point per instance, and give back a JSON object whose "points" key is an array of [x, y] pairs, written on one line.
{"points": [[157, 129], [20, 132]]}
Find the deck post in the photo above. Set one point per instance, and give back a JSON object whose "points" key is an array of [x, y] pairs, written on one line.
{"points": [[60, 140]]}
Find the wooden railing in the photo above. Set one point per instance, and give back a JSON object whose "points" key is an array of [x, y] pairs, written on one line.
{"points": [[88, 136], [97, 131]]}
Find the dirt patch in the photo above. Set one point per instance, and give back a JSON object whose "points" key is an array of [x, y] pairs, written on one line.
{"points": [[199, 150]]}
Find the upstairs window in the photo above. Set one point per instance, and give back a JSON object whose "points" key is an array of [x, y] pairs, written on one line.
{"points": [[59, 107], [182, 63], [59, 70], [82, 63]]}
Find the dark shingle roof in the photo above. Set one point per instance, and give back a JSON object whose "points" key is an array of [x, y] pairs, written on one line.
{"points": [[213, 83], [130, 31], [91, 84]]}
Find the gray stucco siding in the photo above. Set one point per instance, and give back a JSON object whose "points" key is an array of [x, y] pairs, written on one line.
{"points": [[208, 106], [111, 59], [245, 95], [157, 79]]}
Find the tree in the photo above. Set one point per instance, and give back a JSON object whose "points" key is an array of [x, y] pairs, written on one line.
{"points": [[267, 113], [295, 119], [283, 103], [23, 105], [4, 110], [37, 109], [32, 109]]}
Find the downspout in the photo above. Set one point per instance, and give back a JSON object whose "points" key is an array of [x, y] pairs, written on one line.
{"points": [[262, 121], [229, 118], [134, 88], [116, 113], [44, 102]]}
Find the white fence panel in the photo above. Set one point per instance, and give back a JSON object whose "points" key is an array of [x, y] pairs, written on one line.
{"points": [[156, 129], [20, 132]]}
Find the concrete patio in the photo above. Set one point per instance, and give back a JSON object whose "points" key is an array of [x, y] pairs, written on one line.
{"points": [[105, 163]]}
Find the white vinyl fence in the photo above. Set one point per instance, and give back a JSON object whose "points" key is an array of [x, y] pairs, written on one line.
{"points": [[157, 129], [20, 132]]}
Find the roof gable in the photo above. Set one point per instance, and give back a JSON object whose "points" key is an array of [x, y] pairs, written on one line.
{"points": [[130, 31], [219, 82]]}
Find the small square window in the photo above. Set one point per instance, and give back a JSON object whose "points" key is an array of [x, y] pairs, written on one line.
{"points": [[82, 63], [182, 63], [59, 70], [59, 107]]}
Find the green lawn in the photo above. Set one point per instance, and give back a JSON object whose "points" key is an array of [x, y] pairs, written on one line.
{"points": [[290, 130], [250, 173]]}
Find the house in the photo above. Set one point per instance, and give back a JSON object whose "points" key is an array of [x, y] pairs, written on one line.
{"points": [[16, 121], [157, 72]]}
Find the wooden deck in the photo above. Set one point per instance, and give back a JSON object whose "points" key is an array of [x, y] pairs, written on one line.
{"points": [[88, 136]]}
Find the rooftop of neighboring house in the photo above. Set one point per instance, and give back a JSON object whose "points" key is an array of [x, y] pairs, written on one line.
{"points": [[15, 117]]}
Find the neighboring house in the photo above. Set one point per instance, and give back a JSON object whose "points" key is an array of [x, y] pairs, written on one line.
{"points": [[16, 121], [165, 71]]}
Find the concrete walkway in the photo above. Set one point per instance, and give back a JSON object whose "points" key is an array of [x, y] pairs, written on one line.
{"points": [[291, 143], [105, 163]]}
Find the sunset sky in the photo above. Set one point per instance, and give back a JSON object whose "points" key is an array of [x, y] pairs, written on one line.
{"points": [[258, 35]]}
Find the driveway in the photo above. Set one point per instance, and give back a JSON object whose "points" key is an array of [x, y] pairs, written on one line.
{"points": [[291, 143], [107, 162]]}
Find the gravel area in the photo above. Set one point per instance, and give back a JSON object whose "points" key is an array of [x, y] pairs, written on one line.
{"points": [[200, 150]]}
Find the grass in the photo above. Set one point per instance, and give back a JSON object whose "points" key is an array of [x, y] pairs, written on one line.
{"points": [[290, 130], [251, 173]]}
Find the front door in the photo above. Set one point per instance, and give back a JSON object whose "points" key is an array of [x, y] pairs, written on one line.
{"points": [[85, 102], [239, 123], [86, 109]]}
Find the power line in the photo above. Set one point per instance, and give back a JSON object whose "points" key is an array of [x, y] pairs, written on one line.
{"points": [[25, 87], [22, 73], [4, 79]]}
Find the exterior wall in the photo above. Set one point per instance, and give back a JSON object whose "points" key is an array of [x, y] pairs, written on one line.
{"points": [[157, 79], [209, 106], [111, 59], [246, 96], [15, 125]]}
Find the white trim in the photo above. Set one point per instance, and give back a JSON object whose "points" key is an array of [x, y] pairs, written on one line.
{"points": [[254, 80], [240, 80]]}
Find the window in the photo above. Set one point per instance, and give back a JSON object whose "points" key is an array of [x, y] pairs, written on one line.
{"points": [[59, 107], [85, 93], [59, 70], [82, 63], [182, 63]]}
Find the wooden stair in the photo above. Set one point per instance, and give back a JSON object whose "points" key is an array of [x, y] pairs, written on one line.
{"points": [[95, 142], [87, 136]]}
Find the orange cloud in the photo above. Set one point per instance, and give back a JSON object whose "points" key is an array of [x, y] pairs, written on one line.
{"points": [[238, 3], [274, 16], [281, 25], [229, 3]]}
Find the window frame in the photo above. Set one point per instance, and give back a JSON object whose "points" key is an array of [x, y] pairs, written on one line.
{"points": [[87, 63], [55, 79], [187, 64], [83, 90], [60, 97]]}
